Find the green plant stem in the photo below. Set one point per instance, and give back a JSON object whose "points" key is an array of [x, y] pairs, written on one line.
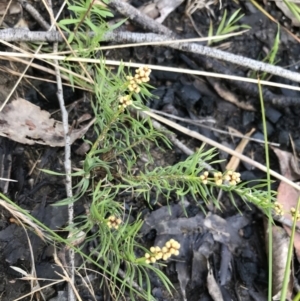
{"points": [[270, 261], [83, 18], [287, 271], [103, 134]]}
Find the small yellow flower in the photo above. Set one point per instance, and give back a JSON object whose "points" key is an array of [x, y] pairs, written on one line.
{"points": [[129, 77], [137, 89], [143, 72], [278, 208], [170, 248], [145, 79], [204, 177], [172, 251], [113, 222], [164, 249], [166, 256], [150, 258], [158, 255], [141, 76], [153, 249], [175, 244], [125, 101], [218, 176], [232, 177], [294, 214]]}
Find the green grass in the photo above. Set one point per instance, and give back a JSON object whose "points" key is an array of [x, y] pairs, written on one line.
{"points": [[226, 26]]}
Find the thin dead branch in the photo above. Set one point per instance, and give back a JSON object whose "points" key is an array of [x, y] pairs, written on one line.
{"points": [[200, 122], [121, 37], [149, 24], [35, 14], [67, 163]]}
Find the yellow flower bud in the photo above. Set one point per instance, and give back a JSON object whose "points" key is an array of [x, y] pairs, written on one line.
{"points": [[164, 249], [165, 257], [172, 251], [153, 249]]}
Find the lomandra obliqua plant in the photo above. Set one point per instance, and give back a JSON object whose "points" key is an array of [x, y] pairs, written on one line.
{"points": [[109, 168]]}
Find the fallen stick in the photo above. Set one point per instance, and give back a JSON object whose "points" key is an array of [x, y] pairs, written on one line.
{"points": [[25, 35]]}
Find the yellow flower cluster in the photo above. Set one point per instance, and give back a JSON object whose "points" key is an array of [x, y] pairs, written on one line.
{"points": [[141, 76], [295, 214], [113, 222], [125, 101], [204, 177], [278, 208], [170, 248], [218, 176], [232, 177]]}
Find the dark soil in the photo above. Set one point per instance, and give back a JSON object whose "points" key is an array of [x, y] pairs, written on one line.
{"points": [[239, 264]]}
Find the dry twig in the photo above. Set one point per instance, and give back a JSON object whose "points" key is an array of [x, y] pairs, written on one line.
{"points": [[131, 37], [135, 15], [68, 168], [35, 14], [200, 122]]}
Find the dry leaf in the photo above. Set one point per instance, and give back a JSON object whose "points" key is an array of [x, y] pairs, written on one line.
{"points": [[287, 195], [150, 10], [161, 8], [183, 277], [234, 161], [212, 285], [26, 123], [287, 12], [280, 252], [230, 96], [14, 8]]}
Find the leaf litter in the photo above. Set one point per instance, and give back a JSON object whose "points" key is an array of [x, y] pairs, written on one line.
{"points": [[288, 196], [200, 237], [26, 123]]}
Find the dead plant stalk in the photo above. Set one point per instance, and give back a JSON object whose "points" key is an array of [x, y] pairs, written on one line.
{"points": [[68, 168], [188, 47]]}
